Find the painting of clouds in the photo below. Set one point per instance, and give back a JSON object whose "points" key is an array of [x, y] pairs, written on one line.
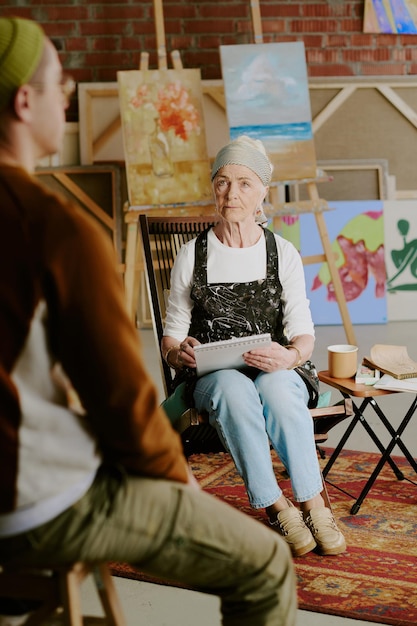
{"points": [[267, 98]]}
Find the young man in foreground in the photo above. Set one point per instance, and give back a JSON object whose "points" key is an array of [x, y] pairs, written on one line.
{"points": [[112, 484]]}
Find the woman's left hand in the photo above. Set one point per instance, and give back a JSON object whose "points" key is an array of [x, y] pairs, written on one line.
{"points": [[276, 357]]}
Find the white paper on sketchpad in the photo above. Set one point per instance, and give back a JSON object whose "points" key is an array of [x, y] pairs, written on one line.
{"points": [[227, 354]]}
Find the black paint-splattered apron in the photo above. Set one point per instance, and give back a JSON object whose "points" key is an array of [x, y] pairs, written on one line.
{"points": [[225, 310]]}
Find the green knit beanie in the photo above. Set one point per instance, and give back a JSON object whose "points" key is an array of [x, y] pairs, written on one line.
{"points": [[21, 46]]}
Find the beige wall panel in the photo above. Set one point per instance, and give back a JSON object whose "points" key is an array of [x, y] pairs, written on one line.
{"points": [[367, 126], [319, 98]]}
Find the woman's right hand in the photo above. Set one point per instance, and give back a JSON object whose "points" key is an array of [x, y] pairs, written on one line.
{"points": [[185, 356]]}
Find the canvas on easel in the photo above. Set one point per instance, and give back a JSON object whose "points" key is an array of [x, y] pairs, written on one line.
{"points": [[164, 137], [267, 98]]}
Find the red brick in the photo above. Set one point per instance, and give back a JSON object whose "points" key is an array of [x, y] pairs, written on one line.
{"points": [[355, 55], [194, 59], [182, 42], [211, 41], [244, 27], [61, 29], [362, 40], [75, 44], [180, 11], [73, 13], [173, 26], [224, 11], [282, 10], [274, 26], [330, 70], [407, 40], [143, 28], [350, 26], [317, 10], [119, 12], [84, 75], [313, 41], [281, 39], [411, 54], [106, 75], [314, 26], [105, 44], [121, 60], [383, 69], [403, 54], [212, 26], [322, 56], [130, 43], [103, 28], [387, 40]]}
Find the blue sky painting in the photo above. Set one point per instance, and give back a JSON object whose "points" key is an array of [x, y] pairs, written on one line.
{"points": [[267, 98]]}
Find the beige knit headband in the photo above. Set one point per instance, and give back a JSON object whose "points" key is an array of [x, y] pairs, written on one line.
{"points": [[242, 153]]}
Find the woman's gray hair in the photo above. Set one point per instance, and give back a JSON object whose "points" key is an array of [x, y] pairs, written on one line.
{"points": [[248, 152]]}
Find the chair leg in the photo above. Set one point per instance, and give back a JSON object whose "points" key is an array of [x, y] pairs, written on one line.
{"points": [[108, 596], [70, 581], [57, 592], [325, 495]]}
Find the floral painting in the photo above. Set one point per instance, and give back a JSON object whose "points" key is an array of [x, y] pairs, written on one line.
{"points": [[267, 98], [390, 16], [356, 232], [164, 137]]}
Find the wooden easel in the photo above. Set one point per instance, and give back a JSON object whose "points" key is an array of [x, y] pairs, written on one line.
{"points": [[133, 262], [315, 205]]}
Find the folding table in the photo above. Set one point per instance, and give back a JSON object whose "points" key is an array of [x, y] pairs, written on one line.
{"points": [[349, 389]]}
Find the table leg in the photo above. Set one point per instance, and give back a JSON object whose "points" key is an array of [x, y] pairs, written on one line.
{"points": [[359, 417], [394, 433], [385, 457]]}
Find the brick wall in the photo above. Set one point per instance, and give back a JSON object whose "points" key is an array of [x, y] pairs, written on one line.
{"points": [[98, 38]]}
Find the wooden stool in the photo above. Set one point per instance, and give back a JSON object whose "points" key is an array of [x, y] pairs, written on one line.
{"points": [[58, 589]]}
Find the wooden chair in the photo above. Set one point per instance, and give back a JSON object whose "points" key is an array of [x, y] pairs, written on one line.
{"points": [[161, 239], [55, 593]]}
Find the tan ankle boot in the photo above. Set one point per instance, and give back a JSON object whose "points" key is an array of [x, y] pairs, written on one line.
{"points": [[290, 524], [323, 527]]}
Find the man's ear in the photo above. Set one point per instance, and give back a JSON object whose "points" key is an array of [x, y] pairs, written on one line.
{"points": [[22, 102]]}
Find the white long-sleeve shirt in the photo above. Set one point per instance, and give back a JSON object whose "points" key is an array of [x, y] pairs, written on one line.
{"points": [[227, 265]]}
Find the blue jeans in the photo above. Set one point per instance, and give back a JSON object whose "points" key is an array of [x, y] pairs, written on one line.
{"points": [[249, 415]]}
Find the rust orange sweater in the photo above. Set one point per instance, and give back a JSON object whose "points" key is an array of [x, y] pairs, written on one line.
{"points": [[61, 301]]}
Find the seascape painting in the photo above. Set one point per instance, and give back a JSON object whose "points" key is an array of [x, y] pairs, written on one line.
{"points": [[390, 16], [164, 137], [267, 98], [356, 232]]}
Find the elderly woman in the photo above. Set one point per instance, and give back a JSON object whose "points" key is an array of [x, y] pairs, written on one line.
{"points": [[239, 279]]}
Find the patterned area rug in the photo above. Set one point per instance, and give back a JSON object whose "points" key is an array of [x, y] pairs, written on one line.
{"points": [[375, 580]]}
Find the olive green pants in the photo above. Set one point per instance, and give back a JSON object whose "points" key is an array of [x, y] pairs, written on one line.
{"points": [[175, 532]]}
